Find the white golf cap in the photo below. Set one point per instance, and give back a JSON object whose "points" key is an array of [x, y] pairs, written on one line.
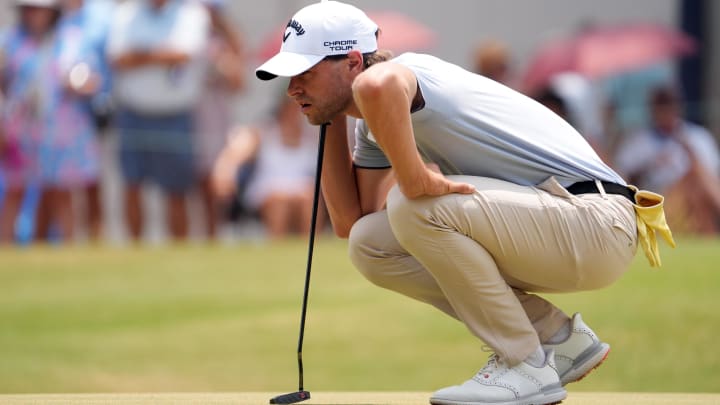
{"points": [[316, 31]]}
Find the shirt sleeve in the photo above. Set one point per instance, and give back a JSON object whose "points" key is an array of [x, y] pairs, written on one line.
{"points": [[117, 32], [367, 153], [190, 32]]}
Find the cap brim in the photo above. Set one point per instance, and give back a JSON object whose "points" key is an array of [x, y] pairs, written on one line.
{"points": [[286, 64]]}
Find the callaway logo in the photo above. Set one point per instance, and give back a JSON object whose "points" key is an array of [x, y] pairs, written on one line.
{"points": [[299, 30]]}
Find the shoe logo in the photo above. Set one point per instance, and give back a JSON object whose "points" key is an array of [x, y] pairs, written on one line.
{"points": [[299, 30]]}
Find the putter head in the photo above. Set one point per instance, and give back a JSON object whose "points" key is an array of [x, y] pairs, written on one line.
{"points": [[291, 398]]}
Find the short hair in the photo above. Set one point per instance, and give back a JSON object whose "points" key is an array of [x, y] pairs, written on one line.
{"points": [[369, 58], [491, 57], [549, 96], [664, 96]]}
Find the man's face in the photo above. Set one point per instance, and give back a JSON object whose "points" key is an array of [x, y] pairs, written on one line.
{"points": [[158, 3], [37, 20], [666, 116], [323, 92]]}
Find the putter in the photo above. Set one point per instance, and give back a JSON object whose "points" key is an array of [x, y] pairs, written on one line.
{"points": [[301, 394]]}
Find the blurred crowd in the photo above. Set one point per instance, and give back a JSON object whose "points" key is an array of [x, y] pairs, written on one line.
{"points": [[160, 76], [635, 120]]}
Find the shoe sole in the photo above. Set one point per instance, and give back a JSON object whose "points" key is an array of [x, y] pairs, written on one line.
{"points": [[547, 398], [591, 362], [532, 402]]}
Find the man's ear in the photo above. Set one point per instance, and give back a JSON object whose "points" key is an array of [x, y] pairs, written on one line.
{"points": [[355, 61]]}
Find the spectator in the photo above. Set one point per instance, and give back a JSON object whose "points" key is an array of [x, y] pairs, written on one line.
{"points": [[156, 48], [49, 137], [611, 130], [630, 91], [96, 18], [553, 101], [559, 104], [225, 78], [281, 187], [83, 30], [678, 159], [584, 109], [492, 60]]}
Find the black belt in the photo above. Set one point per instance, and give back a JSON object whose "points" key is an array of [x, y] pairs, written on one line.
{"points": [[586, 187]]}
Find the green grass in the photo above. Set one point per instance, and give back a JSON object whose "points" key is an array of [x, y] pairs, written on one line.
{"points": [[219, 318]]}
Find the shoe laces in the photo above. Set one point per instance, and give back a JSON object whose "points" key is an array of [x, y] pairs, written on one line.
{"points": [[494, 364]]}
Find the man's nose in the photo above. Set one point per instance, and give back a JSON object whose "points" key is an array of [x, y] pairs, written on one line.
{"points": [[293, 87]]}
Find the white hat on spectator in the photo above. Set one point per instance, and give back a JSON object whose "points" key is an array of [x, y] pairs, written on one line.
{"points": [[39, 3], [316, 31]]}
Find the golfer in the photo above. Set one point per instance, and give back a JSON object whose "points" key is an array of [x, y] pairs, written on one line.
{"points": [[466, 195]]}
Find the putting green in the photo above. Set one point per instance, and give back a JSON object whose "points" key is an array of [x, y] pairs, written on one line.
{"points": [[394, 398]]}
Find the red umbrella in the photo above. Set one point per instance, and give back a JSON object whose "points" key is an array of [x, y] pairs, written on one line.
{"points": [[601, 52], [398, 33]]}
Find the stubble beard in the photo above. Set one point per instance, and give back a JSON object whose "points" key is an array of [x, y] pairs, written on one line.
{"points": [[331, 106]]}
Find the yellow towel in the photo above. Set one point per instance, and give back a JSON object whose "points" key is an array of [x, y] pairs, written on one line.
{"points": [[651, 219]]}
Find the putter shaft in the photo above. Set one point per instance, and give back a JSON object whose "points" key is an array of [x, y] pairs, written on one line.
{"points": [[301, 394]]}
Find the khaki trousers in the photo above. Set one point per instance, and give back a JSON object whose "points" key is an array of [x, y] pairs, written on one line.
{"points": [[476, 257]]}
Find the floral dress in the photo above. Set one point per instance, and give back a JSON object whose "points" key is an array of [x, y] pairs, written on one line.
{"points": [[49, 131]]}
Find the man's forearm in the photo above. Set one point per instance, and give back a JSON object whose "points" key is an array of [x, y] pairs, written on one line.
{"points": [[134, 59], [338, 180]]}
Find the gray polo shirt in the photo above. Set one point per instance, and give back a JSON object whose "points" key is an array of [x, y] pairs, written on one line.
{"points": [[472, 125]]}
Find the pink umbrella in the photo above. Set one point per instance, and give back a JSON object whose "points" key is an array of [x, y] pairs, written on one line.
{"points": [[398, 33], [601, 52]]}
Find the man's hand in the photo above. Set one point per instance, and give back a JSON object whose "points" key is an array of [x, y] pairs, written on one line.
{"points": [[138, 58], [82, 81], [434, 184], [241, 146]]}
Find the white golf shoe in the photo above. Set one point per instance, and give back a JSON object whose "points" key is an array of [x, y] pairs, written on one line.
{"points": [[580, 353], [498, 384]]}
